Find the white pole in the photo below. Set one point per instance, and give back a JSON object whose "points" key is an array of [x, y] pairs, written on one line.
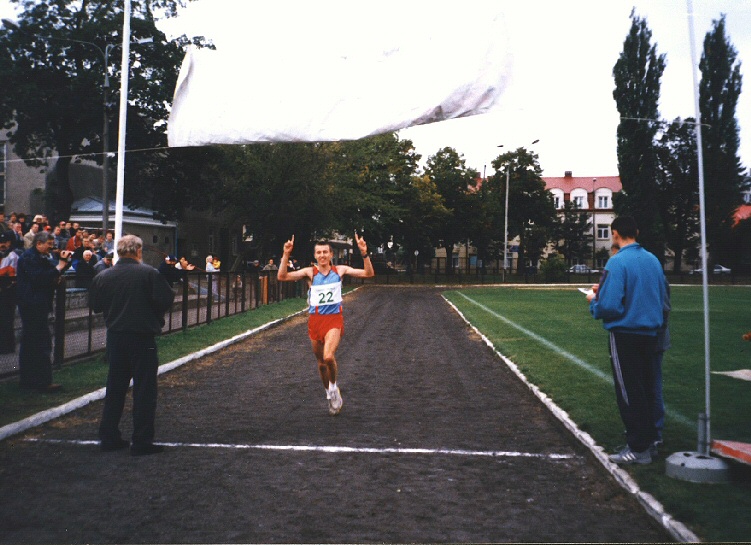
{"points": [[704, 442], [124, 77], [505, 223]]}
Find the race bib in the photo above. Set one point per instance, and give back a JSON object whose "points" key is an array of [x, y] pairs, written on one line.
{"points": [[326, 294]]}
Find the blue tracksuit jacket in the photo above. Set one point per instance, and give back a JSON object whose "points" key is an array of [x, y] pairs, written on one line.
{"points": [[632, 292]]}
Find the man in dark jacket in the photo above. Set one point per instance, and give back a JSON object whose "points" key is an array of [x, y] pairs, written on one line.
{"points": [[133, 298], [37, 280]]}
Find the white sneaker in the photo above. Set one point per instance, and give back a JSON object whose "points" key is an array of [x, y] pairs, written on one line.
{"points": [[335, 402], [628, 456]]}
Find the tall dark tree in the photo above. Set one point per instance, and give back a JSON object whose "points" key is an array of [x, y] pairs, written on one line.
{"points": [[677, 191], [455, 182], [573, 234], [637, 75], [53, 68], [531, 213], [719, 90]]}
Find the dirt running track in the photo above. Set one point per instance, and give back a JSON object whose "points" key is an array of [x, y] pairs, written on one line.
{"points": [[412, 375]]}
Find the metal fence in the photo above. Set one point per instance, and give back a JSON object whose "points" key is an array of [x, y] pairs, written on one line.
{"points": [[200, 299]]}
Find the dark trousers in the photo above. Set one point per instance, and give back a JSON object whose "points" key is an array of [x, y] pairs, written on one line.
{"points": [[631, 357], [34, 358], [7, 319], [130, 355]]}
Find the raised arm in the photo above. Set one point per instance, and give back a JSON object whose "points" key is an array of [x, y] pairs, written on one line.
{"points": [[283, 275], [367, 270]]}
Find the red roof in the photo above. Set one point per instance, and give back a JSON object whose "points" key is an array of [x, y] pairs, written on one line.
{"points": [[567, 183]]}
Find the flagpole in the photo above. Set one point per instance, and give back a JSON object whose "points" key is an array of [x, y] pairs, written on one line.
{"points": [[699, 466], [124, 79]]}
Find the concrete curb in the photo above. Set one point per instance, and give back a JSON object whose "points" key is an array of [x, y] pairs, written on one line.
{"points": [[677, 529]]}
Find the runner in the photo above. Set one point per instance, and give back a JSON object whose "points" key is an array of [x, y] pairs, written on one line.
{"points": [[325, 321]]}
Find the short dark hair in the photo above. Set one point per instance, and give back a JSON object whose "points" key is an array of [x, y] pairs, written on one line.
{"points": [[626, 226], [324, 243]]}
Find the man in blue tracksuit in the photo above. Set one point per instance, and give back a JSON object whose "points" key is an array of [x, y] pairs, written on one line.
{"points": [[629, 300]]}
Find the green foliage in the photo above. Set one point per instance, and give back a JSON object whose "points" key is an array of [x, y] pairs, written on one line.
{"points": [[56, 61], [677, 184], [553, 268], [573, 233], [531, 213], [719, 90], [637, 75], [455, 183]]}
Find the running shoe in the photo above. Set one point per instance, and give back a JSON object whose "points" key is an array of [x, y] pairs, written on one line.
{"points": [[335, 402], [628, 456]]}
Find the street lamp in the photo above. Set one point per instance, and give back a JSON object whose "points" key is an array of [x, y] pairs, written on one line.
{"points": [[505, 215], [105, 53]]}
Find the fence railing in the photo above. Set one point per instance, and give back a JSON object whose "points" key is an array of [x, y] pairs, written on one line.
{"points": [[200, 299]]}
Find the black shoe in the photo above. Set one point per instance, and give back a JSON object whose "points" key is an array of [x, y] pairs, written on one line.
{"points": [[50, 389], [145, 450], [106, 446]]}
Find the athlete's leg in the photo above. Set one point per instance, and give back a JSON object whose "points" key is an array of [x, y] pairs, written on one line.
{"points": [[330, 344], [323, 370]]}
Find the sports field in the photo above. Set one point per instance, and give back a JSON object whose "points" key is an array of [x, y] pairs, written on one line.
{"points": [[549, 333], [438, 441]]}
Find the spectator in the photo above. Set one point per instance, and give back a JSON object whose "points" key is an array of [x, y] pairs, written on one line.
{"points": [[167, 269], [210, 264], [85, 270], [8, 266], [18, 234], [104, 263], [3, 226], [109, 243], [270, 266], [76, 239], [28, 238], [37, 280], [133, 298]]}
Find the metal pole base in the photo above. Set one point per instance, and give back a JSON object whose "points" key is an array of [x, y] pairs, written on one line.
{"points": [[697, 468]]}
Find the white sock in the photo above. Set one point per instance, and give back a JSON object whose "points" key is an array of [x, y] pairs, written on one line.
{"points": [[332, 387]]}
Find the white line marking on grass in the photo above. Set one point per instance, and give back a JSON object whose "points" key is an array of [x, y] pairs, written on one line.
{"points": [[678, 417], [569, 356], [333, 449], [677, 529]]}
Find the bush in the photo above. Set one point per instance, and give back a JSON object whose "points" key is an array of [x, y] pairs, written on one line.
{"points": [[553, 268]]}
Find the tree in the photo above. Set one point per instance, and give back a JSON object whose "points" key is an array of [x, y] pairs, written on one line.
{"points": [[719, 90], [55, 59], [637, 75], [455, 183], [531, 213], [573, 234], [677, 185]]}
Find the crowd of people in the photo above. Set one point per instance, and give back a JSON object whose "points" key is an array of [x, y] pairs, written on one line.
{"points": [[91, 251]]}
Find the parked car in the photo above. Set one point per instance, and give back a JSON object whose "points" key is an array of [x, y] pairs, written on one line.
{"points": [[717, 269], [582, 269]]}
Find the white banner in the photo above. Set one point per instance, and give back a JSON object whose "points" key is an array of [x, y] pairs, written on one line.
{"points": [[371, 68]]}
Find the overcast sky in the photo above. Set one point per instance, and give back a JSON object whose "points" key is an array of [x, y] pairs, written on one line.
{"points": [[562, 56]]}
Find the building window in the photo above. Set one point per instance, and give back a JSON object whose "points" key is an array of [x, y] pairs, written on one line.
{"points": [[556, 201], [603, 231], [579, 201], [211, 244], [602, 201]]}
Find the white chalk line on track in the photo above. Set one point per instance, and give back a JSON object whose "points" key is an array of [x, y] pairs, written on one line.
{"points": [[678, 417], [332, 449], [654, 508]]}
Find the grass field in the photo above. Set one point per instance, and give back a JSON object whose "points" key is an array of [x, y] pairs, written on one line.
{"points": [[551, 336]]}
